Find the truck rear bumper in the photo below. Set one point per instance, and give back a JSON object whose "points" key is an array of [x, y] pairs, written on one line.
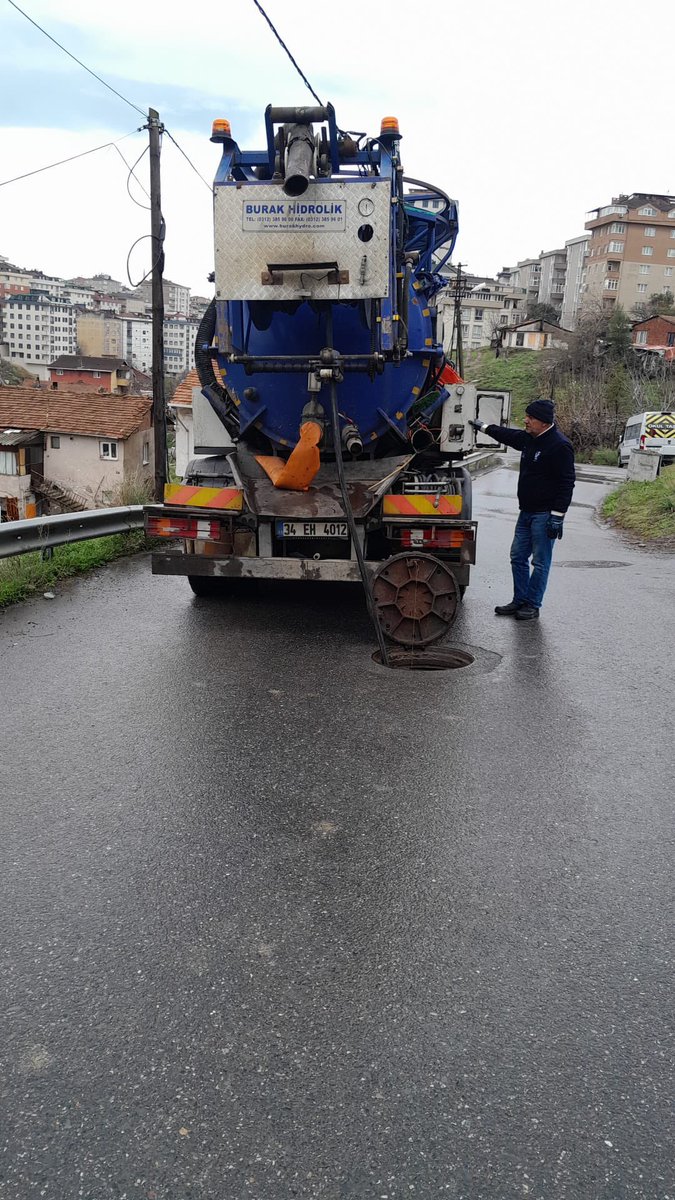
{"points": [[336, 570], [330, 570]]}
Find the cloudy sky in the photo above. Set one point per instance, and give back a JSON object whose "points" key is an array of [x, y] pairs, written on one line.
{"points": [[528, 113]]}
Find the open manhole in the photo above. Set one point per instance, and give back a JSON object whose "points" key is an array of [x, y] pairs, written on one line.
{"points": [[424, 660]]}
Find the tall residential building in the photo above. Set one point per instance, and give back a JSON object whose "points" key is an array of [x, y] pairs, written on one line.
{"points": [[525, 276], [37, 328], [176, 297], [485, 309], [553, 268], [137, 342], [179, 343], [100, 333], [577, 249], [632, 250]]}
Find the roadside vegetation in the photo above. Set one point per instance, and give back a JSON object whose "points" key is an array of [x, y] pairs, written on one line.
{"points": [[597, 382], [26, 575], [646, 509]]}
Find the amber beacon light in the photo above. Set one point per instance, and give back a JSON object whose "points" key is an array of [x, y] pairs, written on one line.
{"points": [[221, 126], [389, 125]]}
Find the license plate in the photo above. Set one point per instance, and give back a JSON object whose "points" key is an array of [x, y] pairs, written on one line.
{"points": [[312, 529]]}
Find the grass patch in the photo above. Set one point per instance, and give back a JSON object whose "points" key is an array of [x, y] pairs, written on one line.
{"points": [[25, 574], [520, 374], [647, 509], [604, 457]]}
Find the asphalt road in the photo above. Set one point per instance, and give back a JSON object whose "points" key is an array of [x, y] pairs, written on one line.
{"points": [[278, 922]]}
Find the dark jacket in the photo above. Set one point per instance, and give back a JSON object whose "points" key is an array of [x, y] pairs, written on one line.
{"points": [[546, 479]]}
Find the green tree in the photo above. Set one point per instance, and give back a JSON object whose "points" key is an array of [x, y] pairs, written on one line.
{"points": [[619, 335], [660, 304], [543, 312]]}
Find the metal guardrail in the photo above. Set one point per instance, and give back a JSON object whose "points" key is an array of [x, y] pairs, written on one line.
{"points": [[41, 533]]}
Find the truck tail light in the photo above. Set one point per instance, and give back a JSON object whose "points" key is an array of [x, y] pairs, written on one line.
{"points": [[643, 439], [202, 528], [434, 539]]}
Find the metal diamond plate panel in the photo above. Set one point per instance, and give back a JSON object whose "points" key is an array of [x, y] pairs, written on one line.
{"points": [[267, 244]]}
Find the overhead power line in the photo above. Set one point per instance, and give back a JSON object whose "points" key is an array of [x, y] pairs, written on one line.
{"points": [[170, 135], [78, 60], [83, 154], [282, 43]]}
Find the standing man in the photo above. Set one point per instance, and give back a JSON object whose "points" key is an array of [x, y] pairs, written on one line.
{"points": [[545, 486]]}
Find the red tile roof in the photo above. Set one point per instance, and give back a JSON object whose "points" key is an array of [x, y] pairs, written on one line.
{"points": [[72, 410], [183, 393]]}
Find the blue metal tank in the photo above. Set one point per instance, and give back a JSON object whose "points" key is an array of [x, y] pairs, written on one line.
{"points": [[388, 342]]}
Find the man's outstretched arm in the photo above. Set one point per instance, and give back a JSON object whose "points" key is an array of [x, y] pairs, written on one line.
{"points": [[516, 438]]}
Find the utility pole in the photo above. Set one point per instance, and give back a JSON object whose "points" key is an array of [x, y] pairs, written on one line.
{"points": [[155, 129]]}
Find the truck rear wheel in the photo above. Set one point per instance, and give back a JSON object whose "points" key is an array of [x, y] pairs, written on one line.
{"points": [[209, 587]]}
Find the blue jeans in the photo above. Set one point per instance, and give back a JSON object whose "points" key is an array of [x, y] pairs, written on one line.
{"points": [[531, 541]]}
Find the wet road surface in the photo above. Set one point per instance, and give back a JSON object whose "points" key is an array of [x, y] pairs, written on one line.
{"points": [[277, 922]]}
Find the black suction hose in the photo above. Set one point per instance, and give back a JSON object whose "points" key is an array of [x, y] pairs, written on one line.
{"points": [[337, 447], [217, 396]]}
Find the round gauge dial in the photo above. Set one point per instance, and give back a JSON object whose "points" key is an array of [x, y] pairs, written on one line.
{"points": [[366, 207]]}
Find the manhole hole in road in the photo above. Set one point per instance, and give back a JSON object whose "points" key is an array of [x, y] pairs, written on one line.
{"points": [[425, 660]]}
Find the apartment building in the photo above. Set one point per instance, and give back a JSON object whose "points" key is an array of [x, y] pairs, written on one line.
{"points": [[631, 251], [486, 308], [37, 327], [552, 272], [176, 296], [524, 277], [577, 251], [99, 333], [179, 343]]}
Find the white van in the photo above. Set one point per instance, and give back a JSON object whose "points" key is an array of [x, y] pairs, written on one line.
{"points": [[649, 431]]}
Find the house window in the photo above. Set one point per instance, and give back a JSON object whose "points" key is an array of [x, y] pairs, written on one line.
{"points": [[648, 211], [55, 441], [8, 462], [667, 271], [671, 254], [671, 214], [146, 453], [641, 339], [59, 372], [670, 340], [97, 374], [615, 247], [617, 227], [648, 250], [108, 449], [611, 285], [642, 287], [650, 231], [520, 339], [478, 314], [645, 268]]}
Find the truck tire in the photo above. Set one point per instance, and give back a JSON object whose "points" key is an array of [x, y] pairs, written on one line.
{"points": [[208, 587]]}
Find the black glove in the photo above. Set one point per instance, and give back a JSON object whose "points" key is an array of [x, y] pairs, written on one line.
{"points": [[478, 425], [554, 525]]}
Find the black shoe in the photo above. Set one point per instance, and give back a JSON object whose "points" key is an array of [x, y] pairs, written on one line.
{"points": [[508, 610], [527, 613]]}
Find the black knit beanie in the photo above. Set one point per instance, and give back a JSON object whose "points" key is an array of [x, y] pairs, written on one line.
{"points": [[542, 410]]}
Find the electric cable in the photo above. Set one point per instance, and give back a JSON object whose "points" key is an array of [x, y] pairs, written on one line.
{"points": [[283, 45], [78, 60], [71, 158], [132, 171], [346, 504], [170, 135], [144, 238]]}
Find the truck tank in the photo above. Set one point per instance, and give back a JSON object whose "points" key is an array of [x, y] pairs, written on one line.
{"points": [[319, 245]]}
